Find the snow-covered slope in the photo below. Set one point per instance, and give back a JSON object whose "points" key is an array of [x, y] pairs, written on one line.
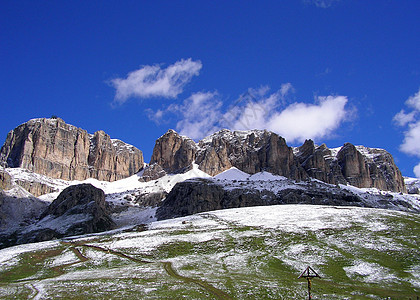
{"points": [[235, 179], [126, 196], [242, 253], [18, 208], [413, 185], [122, 195]]}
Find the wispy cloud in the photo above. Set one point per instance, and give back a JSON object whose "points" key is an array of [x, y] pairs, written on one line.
{"points": [[199, 114], [411, 121], [153, 81], [322, 3], [203, 113], [295, 122]]}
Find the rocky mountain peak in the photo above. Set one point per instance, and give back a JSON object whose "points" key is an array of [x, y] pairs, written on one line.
{"points": [[59, 150], [260, 150], [173, 152]]}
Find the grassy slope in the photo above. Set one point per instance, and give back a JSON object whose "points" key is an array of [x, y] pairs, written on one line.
{"points": [[248, 253]]}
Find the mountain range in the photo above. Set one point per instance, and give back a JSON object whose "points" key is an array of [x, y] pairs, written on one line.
{"points": [[45, 157]]}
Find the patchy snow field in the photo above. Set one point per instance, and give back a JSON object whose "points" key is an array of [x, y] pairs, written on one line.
{"points": [[242, 253]]}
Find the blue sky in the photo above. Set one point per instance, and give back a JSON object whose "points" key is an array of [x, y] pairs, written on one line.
{"points": [[335, 71]]}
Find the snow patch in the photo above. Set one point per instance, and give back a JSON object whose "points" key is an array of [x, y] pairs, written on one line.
{"points": [[371, 272], [232, 174]]}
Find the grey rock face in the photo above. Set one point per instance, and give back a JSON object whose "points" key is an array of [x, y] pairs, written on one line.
{"points": [[383, 172], [251, 152], [355, 165], [413, 185], [16, 211], [150, 199], [59, 150], [5, 180], [255, 151], [200, 195], [152, 172], [77, 197], [36, 188], [79, 209], [174, 153]]}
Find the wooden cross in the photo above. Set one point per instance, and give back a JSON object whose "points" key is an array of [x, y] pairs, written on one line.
{"points": [[309, 273]]}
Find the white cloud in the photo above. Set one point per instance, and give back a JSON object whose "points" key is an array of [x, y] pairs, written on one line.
{"points": [[252, 110], [199, 113], [202, 114], [286, 88], [402, 118], [155, 116], [153, 81], [411, 142], [414, 101], [297, 121], [322, 3], [417, 171], [301, 121]]}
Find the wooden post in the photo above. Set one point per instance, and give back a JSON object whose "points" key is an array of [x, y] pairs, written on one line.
{"points": [[309, 288], [307, 274]]}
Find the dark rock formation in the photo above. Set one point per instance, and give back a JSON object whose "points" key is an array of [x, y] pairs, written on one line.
{"points": [[152, 172], [59, 150], [150, 199], [84, 199], [79, 209], [200, 195]]}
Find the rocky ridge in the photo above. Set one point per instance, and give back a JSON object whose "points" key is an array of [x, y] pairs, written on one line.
{"points": [[79, 209], [260, 150], [59, 150], [228, 190]]}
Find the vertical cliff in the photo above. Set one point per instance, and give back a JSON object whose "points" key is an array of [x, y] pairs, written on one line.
{"points": [[59, 150], [259, 150]]}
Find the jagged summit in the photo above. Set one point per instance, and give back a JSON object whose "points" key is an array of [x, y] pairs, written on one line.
{"points": [[233, 134], [59, 150], [260, 150]]}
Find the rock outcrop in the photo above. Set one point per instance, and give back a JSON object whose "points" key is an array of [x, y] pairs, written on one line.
{"points": [[355, 165], [19, 209], [201, 195], [174, 153], [255, 151], [79, 209], [249, 151], [413, 185], [36, 188], [5, 180], [59, 150], [207, 194], [152, 172]]}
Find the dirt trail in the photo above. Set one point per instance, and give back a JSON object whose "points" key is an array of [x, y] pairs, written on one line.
{"points": [[219, 294]]}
